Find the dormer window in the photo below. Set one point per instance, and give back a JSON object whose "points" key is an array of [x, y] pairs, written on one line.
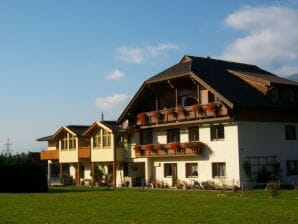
{"points": [[68, 142], [97, 140], [106, 139], [102, 139]]}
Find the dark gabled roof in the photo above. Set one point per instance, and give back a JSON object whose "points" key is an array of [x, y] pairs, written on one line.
{"points": [[177, 69], [78, 129], [44, 139], [219, 76], [111, 125], [265, 78]]}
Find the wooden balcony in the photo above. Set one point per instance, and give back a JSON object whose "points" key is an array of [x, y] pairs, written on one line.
{"points": [[84, 153], [169, 150], [182, 114], [49, 155]]}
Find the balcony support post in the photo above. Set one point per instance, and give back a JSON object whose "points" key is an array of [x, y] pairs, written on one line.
{"points": [[114, 173], [78, 173], [92, 172]]}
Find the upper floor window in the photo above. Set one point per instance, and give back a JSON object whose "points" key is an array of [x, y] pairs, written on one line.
{"points": [[217, 132], [68, 142], [193, 134], [173, 135], [106, 138], [97, 140], [64, 142], [290, 132], [72, 142], [146, 136]]}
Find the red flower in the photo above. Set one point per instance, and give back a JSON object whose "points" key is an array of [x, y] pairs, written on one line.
{"points": [[148, 147], [141, 117], [137, 148], [174, 145]]}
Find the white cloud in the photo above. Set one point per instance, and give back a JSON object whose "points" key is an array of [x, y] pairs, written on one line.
{"points": [[140, 55], [116, 74], [111, 102], [271, 36]]}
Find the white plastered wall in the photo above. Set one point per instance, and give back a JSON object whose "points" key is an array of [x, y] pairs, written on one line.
{"points": [[268, 139]]}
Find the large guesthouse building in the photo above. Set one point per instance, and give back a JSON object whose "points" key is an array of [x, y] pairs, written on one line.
{"points": [[200, 121]]}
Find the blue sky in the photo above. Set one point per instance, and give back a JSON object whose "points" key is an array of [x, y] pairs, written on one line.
{"points": [[64, 62]]}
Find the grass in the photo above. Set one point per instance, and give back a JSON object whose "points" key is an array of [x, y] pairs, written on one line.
{"points": [[89, 205]]}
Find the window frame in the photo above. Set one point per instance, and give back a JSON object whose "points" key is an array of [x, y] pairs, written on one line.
{"points": [[215, 132], [168, 169], [216, 169], [170, 136], [97, 140], [190, 134], [189, 171], [106, 139], [292, 172]]}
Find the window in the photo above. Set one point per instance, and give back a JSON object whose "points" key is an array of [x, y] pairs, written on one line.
{"points": [[218, 169], [191, 169], [292, 167], [290, 132], [217, 132], [68, 142], [170, 169], [72, 142], [173, 135], [146, 136], [97, 140], [64, 142], [193, 134], [106, 138]]}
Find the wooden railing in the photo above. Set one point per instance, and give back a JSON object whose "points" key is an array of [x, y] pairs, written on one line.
{"points": [[84, 153], [169, 150], [195, 112], [49, 155]]}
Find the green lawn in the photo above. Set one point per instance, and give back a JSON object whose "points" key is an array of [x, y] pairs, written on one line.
{"points": [[87, 205]]}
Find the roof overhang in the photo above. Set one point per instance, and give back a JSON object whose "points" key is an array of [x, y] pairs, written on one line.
{"points": [[95, 125], [62, 129]]}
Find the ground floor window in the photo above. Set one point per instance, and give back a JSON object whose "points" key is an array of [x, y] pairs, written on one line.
{"points": [[218, 169], [55, 170], [191, 169], [262, 169], [292, 167], [169, 169]]}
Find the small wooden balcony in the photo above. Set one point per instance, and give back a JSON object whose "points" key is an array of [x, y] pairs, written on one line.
{"points": [[49, 155], [181, 114], [174, 149], [84, 153]]}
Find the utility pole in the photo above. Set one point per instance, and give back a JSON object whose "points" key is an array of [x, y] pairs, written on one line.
{"points": [[7, 150]]}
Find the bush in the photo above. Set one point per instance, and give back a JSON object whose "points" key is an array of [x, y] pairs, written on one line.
{"points": [[20, 174]]}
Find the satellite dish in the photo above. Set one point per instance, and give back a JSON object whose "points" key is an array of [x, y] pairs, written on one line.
{"points": [[125, 124]]}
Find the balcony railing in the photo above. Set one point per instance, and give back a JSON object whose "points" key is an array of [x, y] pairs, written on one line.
{"points": [[195, 112], [169, 150], [84, 153], [49, 155]]}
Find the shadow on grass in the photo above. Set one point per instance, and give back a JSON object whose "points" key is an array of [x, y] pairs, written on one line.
{"points": [[74, 189]]}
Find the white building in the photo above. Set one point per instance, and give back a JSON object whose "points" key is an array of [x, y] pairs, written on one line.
{"points": [[200, 120]]}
